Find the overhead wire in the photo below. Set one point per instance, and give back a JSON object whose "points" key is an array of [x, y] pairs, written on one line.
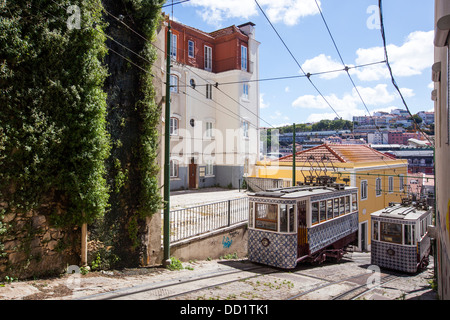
{"points": [[349, 76], [308, 75], [383, 36]]}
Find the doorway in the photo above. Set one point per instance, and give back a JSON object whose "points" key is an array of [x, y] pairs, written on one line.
{"points": [[363, 236], [302, 233], [192, 174]]}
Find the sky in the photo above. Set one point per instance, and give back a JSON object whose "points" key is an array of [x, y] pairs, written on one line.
{"points": [[354, 24]]}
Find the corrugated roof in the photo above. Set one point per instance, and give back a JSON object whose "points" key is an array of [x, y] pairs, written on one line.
{"points": [[336, 153]]}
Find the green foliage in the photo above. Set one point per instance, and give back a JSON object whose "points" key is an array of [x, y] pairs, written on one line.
{"points": [[53, 139], [147, 16], [175, 264], [322, 125]]}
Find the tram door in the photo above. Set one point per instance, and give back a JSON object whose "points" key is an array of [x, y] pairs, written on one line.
{"points": [[302, 236]]}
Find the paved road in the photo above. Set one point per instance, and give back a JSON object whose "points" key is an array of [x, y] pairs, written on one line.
{"points": [[233, 280]]}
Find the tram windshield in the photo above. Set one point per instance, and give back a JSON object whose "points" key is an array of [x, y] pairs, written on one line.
{"points": [[391, 232], [266, 216]]}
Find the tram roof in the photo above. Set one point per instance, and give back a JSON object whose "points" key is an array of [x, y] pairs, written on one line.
{"points": [[298, 192], [398, 211]]}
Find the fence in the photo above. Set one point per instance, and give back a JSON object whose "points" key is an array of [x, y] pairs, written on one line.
{"points": [[189, 222]]}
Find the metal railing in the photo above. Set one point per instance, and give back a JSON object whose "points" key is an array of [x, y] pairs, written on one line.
{"points": [[189, 222]]}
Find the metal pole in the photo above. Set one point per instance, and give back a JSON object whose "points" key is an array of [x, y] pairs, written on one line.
{"points": [[294, 150], [167, 153]]}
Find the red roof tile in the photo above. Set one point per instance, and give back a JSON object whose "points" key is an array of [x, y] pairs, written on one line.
{"points": [[336, 153]]}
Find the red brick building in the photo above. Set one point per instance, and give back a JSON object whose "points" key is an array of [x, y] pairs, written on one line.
{"points": [[218, 51]]}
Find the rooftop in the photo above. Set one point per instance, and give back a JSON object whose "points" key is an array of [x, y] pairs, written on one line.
{"points": [[338, 153], [398, 211]]}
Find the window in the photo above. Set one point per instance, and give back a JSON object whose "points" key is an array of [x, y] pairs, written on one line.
{"points": [[173, 47], [341, 206], [391, 184], [245, 90], [173, 126], [245, 128], [409, 235], [363, 190], [322, 211], [209, 91], [401, 183], [244, 58], [209, 171], [336, 207], [250, 215], [191, 47], [283, 218], [208, 58], [378, 187], [173, 83], [391, 232], [209, 130], [354, 202], [266, 216], [347, 204], [329, 209], [314, 212], [375, 230], [173, 168], [292, 218]]}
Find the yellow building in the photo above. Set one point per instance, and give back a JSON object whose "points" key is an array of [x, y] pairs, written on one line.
{"points": [[380, 179]]}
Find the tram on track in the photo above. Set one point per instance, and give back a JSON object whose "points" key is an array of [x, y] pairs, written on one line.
{"points": [[306, 223], [400, 240]]}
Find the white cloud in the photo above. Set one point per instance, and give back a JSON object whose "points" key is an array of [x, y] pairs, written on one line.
{"points": [[411, 58], [323, 63], [431, 85], [287, 89], [349, 105], [214, 12], [288, 11]]}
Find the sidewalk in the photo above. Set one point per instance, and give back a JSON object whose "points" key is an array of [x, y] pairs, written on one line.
{"points": [[189, 198]]}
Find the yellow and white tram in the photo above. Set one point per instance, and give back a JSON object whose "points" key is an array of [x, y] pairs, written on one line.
{"points": [[400, 239], [303, 223]]}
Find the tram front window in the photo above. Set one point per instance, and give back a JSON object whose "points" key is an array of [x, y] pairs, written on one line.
{"points": [[266, 216], [391, 232]]}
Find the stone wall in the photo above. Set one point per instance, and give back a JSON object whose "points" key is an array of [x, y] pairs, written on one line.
{"points": [[31, 248], [232, 240]]}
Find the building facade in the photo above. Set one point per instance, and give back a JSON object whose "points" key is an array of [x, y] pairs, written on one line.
{"points": [[440, 95], [214, 116], [380, 178]]}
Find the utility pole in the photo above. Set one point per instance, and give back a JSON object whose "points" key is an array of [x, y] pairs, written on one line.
{"points": [[167, 153], [294, 151]]}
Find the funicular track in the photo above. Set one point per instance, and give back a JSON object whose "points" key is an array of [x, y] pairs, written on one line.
{"points": [[176, 287], [347, 288]]}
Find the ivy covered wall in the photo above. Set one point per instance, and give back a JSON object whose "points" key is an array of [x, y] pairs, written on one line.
{"points": [[78, 138]]}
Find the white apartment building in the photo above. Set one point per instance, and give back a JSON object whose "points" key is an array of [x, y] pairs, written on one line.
{"points": [[214, 117]]}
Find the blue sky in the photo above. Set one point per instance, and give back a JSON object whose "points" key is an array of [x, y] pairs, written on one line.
{"points": [[409, 35]]}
